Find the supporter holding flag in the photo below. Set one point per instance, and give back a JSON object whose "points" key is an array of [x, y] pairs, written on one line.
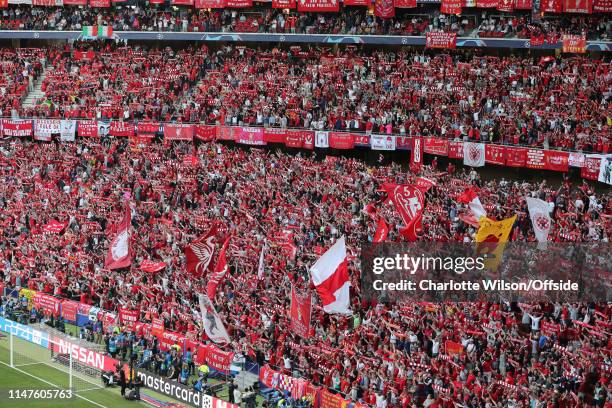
{"points": [[220, 271], [199, 253], [331, 280], [382, 230], [213, 326], [119, 253], [539, 212], [470, 198], [409, 202]]}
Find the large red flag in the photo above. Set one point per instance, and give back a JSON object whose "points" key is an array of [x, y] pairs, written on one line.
{"points": [[300, 313], [200, 252], [119, 253], [382, 230], [408, 200], [219, 273]]}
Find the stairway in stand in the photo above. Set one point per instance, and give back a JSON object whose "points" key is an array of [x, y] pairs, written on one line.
{"points": [[36, 94]]}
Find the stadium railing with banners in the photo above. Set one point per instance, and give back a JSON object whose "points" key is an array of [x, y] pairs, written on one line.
{"points": [[501, 154], [330, 39]]}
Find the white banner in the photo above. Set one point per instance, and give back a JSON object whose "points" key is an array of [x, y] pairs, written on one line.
{"points": [[473, 154], [382, 142], [576, 159], [539, 212], [213, 325], [68, 130], [322, 139], [605, 169], [44, 128]]}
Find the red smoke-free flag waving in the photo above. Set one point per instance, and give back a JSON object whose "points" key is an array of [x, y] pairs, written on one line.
{"points": [[408, 201], [330, 277], [382, 230], [200, 252], [119, 254], [219, 273]]}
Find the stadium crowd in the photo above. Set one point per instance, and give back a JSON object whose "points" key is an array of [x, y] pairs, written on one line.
{"points": [[384, 355], [350, 20], [557, 103]]}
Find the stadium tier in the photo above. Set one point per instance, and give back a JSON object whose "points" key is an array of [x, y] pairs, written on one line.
{"points": [[307, 204]]}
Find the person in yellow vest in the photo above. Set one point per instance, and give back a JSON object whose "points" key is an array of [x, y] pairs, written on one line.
{"points": [[203, 372]]}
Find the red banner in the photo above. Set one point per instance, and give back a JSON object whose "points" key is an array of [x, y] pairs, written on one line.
{"points": [[437, 146], [99, 3], [451, 6], [225, 133], [147, 129], [505, 5], [318, 5], [300, 313], [341, 140], [273, 135], [516, 156], [128, 317], [170, 338], [294, 138], [361, 140], [453, 348], [602, 6], [216, 358], [250, 135], [552, 6], [178, 131], [441, 40], [75, 2], [590, 170], [181, 2], [206, 133], [455, 149], [285, 4], [69, 310], [384, 8], [17, 128], [574, 43], [579, 6], [209, 4], [535, 159], [416, 158], [523, 4], [405, 3], [357, 3], [157, 327], [47, 303], [83, 309], [486, 3], [495, 154], [555, 160], [238, 3], [88, 128], [308, 138], [121, 129]]}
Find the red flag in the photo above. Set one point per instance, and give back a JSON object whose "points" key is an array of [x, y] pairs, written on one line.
{"points": [[149, 266], [408, 200], [424, 184], [200, 252], [300, 313], [219, 273], [384, 8], [119, 253], [54, 227], [382, 230], [453, 348], [416, 160]]}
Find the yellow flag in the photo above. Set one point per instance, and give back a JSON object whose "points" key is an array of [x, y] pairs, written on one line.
{"points": [[491, 238]]}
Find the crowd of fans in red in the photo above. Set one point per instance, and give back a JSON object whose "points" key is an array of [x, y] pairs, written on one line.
{"points": [[385, 355], [350, 20], [18, 70], [555, 103]]}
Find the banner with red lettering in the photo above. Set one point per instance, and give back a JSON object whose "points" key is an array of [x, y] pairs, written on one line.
{"points": [[516, 156], [121, 129], [128, 317], [602, 6], [551, 6], [90, 358], [576, 159], [250, 135], [216, 358], [328, 400], [455, 149], [505, 5], [99, 3], [556, 160], [178, 131], [416, 157], [205, 132], [88, 128], [170, 338], [384, 8], [47, 3], [147, 130], [578, 6], [294, 138], [225, 133], [300, 313], [341, 140], [495, 154], [274, 135], [451, 6], [361, 140], [285, 4], [523, 4], [441, 40], [574, 44], [202, 4], [405, 3], [49, 304], [318, 5], [486, 3], [590, 170], [434, 145], [45, 128], [69, 310], [238, 3], [16, 128]]}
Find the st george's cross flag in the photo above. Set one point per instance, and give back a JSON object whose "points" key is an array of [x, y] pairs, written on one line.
{"points": [[330, 277]]}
